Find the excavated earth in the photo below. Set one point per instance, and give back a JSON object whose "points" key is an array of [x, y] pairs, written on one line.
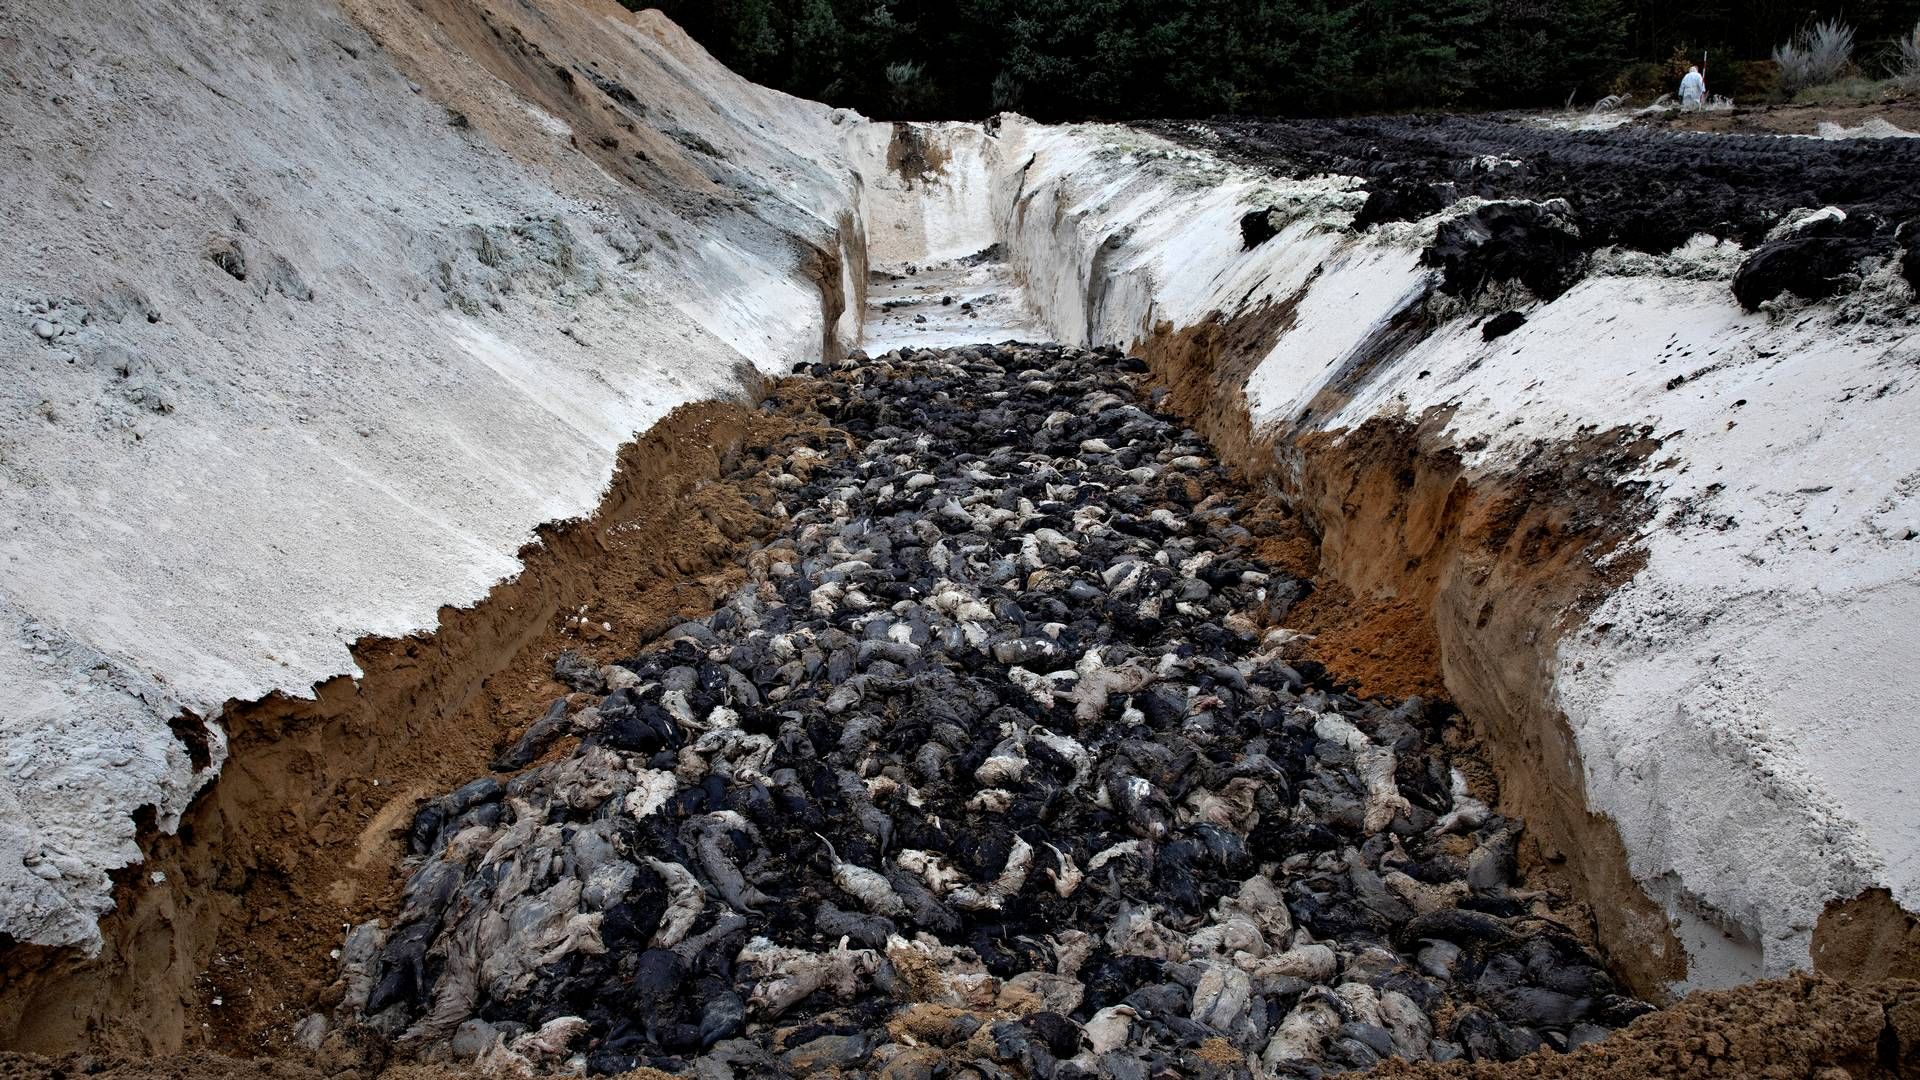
{"points": [[958, 728], [988, 711], [1646, 190], [996, 754]]}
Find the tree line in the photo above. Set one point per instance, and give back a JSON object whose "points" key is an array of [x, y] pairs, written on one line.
{"points": [[1121, 59]]}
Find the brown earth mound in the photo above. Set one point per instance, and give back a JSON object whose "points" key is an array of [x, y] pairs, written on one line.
{"points": [[1798, 1027], [230, 947]]}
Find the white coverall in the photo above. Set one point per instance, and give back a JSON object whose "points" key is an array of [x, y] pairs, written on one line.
{"points": [[1693, 90]]}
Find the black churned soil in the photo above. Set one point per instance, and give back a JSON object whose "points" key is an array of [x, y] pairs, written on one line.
{"points": [[1639, 188]]}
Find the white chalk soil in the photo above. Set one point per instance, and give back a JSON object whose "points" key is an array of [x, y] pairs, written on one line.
{"points": [[310, 315], [299, 349]]}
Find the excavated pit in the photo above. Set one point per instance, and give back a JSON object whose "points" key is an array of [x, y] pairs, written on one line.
{"points": [[226, 939], [998, 743], [297, 839], [1429, 579], [234, 919]]}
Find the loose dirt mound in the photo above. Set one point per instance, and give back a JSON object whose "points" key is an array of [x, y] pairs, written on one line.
{"points": [[1795, 1027], [1637, 187], [1648, 190]]}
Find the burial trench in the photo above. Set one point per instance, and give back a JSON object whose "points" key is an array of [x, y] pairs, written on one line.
{"points": [[1259, 898], [1007, 757], [1162, 959], [1002, 756]]}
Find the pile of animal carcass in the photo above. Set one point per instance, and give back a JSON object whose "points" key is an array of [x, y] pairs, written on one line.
{"points": [[995, 761]]}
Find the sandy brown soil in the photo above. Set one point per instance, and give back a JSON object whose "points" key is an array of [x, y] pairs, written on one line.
{"points": [[1383, 646], [1901, 111], [1380, 644], [652, 561], [1867, 938], [1799, 1027], [1433, 581]]}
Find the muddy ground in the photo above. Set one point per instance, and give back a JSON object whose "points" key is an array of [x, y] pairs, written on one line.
{"points": [[1638, 187], [1642, 188]]}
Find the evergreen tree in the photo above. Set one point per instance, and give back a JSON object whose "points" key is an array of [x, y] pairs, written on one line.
{"points": [[817, 58], [1537, 52], [755, 42], [1119, 59]]}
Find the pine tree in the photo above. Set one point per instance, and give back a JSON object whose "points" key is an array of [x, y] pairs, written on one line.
{"points": [[1537, 52], [817, 58], [755, 40]]}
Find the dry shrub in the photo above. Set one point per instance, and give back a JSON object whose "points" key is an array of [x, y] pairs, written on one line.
{"points": [[1815, 56], [1906, 60]]}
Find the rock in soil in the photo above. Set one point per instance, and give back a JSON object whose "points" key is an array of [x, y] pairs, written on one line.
{"points": [[996, 761]]}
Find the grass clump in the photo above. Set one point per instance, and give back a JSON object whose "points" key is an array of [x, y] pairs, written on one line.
{"points": [[1848, 91]]}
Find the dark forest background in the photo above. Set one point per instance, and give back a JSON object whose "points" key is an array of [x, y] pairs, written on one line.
{"points": [[1122, 59]]}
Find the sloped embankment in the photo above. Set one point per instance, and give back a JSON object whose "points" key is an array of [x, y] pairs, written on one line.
{"points": [[221, 935], [1611, 501], [1461, 582], [1650, 541], [325, 311]]}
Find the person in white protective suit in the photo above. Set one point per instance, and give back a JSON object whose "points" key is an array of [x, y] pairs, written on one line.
{"points": [[1693, 89]]}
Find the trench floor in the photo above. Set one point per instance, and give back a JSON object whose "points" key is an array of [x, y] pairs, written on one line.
{"points": [[673, 559], [948, 304], [1002, 756]]}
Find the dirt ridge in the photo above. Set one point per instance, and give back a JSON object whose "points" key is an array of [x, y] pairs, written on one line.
{"points": [[1464, 579], [288, 843]]}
